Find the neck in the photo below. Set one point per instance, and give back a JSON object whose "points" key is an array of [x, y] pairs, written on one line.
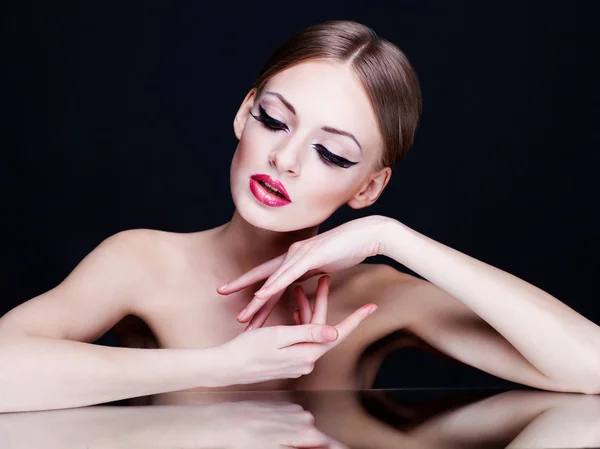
{"points": [[245, 246]]}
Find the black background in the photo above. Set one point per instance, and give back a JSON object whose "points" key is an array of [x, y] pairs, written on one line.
{"points": [[119, 116]]}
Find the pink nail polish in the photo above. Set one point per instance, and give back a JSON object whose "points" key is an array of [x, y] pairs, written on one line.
{"points": [[330, 334], [249, 328], [372, 310], [222, 287], [242, 314]]}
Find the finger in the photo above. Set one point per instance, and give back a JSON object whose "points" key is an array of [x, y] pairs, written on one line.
{"points": [[256, 274], [303, 305], [290, 259], [348, 325], [309, 274], [351, 322], [303, 437], [305, 333], [287, 273], [259, 303], [297, 317], [254, 306], [321, 300], [261, 297], [261, 316]]}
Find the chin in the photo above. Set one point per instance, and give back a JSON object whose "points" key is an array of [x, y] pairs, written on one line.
{"points": [[287, 218], [253, 212], [276, 219], [264, 217]]}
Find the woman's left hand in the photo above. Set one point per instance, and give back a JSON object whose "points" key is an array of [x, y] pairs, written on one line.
{"points": [[335, 250]]}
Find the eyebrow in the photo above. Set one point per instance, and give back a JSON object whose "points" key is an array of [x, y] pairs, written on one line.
{"points": [[328, 129]]}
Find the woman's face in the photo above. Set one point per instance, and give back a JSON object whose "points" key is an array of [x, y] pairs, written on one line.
{"points": [[289, 134]]}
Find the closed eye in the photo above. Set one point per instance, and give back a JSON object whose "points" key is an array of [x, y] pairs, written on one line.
{"points": [[326, 156], [271, 123]]}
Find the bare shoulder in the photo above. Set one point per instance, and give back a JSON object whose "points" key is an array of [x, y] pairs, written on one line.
{"points": [[152, 260], [146, 245], [151, 256]]}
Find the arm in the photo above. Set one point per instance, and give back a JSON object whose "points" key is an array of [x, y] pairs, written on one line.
{"points": [[45, 352], [41, 373], [493, 320], [48, 362]]}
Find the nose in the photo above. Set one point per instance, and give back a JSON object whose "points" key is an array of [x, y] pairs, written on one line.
{"points": [[286, 158]]}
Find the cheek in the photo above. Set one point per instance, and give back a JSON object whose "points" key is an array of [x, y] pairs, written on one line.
{"points": [[328, 191], [320, 198], [233, 168], [244, 157], [243, 151], [253, 146], [245, 161]]}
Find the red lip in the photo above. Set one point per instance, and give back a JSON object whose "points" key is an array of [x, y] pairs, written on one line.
{"points": [[276, 184]]}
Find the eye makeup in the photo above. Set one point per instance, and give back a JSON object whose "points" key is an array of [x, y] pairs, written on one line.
{"points": [[326, 156]]}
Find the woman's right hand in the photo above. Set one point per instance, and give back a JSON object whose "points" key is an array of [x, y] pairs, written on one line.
{"points": [[283, 352]]}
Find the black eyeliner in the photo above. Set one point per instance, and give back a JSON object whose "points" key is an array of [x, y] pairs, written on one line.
{"points": [[337, 160], [326, 156]]}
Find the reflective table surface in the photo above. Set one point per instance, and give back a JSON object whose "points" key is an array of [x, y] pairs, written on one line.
{"points": [[399, 418]]}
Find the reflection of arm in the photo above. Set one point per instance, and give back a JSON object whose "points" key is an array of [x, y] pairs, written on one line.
{"points": [[527, 418], [512, 328], [215, 397], [497, 420], [108, 428], [221, 424], [573, 423]]}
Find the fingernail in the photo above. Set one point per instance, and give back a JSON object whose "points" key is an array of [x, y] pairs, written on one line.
{"points": [[249, 327], [222, 287], [373, 309], [260, 292], [330, 334], [242, 314]]}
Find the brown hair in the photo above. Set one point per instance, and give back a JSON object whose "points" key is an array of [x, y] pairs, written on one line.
{"points": [[388, 78]]}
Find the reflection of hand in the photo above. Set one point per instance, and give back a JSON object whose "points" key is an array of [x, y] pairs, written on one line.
{"points": [[252, 424], [283, 352], [246, 424], [335, 250]]}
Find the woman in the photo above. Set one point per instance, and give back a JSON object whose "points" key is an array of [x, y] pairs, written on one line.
{"points": [[330, 113]]}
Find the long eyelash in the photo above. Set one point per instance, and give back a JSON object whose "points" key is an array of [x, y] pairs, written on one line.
{"points": [[268, 121], [326, 156], [330, 158]]}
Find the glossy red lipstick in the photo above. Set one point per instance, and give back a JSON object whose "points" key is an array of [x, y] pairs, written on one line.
{"points": [[264, 195]]}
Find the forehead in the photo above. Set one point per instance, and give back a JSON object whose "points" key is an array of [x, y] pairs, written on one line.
{"points": [[328, 93]]}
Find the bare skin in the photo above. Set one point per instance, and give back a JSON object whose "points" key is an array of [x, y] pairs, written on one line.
{"points": [[169, 280], [183, 311]]}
